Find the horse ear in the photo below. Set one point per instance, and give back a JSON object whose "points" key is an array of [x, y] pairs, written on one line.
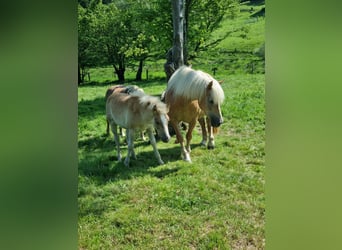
{"points": [[210, 85]]}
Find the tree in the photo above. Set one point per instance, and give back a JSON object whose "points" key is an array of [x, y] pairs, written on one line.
{"points": [[193, 23], [87, 56], [178, 33], [122, 33], [203, 17], [112, 32]]}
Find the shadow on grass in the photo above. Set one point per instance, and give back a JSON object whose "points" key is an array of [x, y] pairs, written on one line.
{"points": [[92, 108], [103, 168], [101, 162], [255, 2]]}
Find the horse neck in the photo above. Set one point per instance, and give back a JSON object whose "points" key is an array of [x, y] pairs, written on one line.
{"points": [[201, 103], [147, 115]]}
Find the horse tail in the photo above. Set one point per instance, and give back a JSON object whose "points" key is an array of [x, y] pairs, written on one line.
{"points": [[215, 130]]}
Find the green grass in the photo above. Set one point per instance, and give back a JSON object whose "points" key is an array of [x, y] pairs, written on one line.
{"points": [[216, 202]]}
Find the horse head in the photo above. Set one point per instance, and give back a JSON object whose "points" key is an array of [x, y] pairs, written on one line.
{"points": [[210, 104], [161, 120]]}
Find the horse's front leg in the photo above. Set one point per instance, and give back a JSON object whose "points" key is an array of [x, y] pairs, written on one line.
{"points": [[130, 141], [211, 143], [184, 153], [204, 131], [189, 134], [154, 145], [113, 126], [142, 134]]}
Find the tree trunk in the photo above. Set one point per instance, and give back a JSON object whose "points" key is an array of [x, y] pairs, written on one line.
{"points": [[178, 33], [186, 28], [139, 72], [120, 72]]}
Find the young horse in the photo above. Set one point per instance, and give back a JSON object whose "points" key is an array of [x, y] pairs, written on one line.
{"points": [[137, 112], [191, 95], [130, 90]]}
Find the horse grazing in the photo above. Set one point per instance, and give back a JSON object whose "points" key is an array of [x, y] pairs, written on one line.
{"points": [[130, 90], [191, 95], [137, 112]]}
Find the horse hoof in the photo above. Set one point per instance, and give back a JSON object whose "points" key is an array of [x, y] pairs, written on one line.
{"points": [[187, 158], [161, 163], [211, 147]]}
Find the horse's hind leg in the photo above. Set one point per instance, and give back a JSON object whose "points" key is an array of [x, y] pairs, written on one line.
{"points": [[130, 141], [189, 134], [107, 129], [154, 145], [116, 139], [142, 133], [201, 121], [185, 154], [211, 143], [128, 136]]}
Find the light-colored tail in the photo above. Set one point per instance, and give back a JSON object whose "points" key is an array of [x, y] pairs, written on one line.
{"points": [[215, 130]]}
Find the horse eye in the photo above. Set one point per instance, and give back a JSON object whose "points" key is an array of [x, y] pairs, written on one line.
{"points": [[211, 102]]}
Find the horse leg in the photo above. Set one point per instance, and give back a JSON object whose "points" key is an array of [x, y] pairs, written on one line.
{"points": [[121, 132], [130, 141], [189, 134], [107, 129], [154, 145], [128, 136], [143, 135], [184, 153], [211, 143], [204, 131], [116, 139]]}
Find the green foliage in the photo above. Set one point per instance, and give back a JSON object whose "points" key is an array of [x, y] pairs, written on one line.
{"points": [[204, 17], [122, 32]]}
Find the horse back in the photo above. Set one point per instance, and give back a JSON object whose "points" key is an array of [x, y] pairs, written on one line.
{"points": [[125, 111]]}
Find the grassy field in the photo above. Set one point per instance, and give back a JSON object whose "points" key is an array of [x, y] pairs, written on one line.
{"points": [[216, 202]]}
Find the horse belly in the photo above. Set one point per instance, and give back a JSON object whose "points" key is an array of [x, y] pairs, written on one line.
{"points": [[185, 111]]}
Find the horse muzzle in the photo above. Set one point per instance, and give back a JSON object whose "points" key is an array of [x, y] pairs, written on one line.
{"points": [[165, 138], [216, 121]]}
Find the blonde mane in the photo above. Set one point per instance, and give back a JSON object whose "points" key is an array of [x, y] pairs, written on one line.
{"points": [[192, 84]]}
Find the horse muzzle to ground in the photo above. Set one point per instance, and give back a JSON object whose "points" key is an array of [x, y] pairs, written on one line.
{"points": [[165, 138], [215, 121]]}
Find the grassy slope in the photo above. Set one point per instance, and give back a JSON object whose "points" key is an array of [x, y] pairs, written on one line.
{"points": [[215, 202]]}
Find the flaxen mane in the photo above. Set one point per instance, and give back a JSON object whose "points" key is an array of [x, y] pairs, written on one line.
{"points": [[192, 84]]}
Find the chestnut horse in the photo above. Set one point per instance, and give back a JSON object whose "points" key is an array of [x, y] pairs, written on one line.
{"points": [[137, 112], [191, 95]]}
